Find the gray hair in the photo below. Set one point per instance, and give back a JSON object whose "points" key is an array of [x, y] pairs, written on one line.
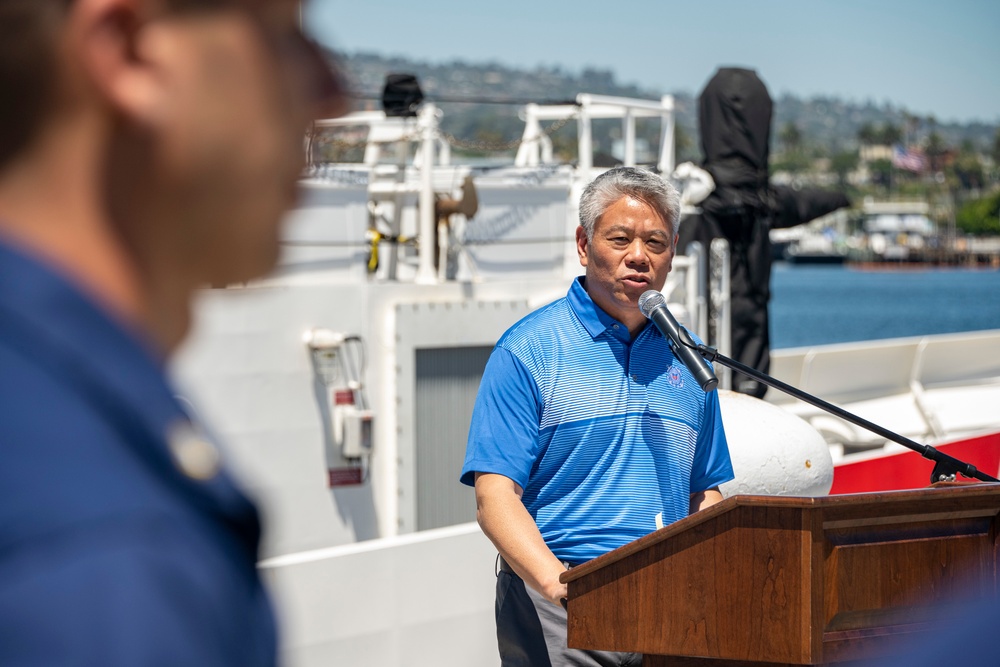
{"points": [[620, 182]]}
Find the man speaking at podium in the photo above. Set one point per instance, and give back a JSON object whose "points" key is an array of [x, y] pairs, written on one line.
{"points": [[587, 433]]}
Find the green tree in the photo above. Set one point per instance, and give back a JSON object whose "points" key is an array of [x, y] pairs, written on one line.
{"points": [[867, 134], [969, 171], [935, 149], [790, 137], [881, 172], [889, 134], [968, 168], [793, 157], [910, 125], [793, 163], [685, 148], [842, 164], [980, 216]]}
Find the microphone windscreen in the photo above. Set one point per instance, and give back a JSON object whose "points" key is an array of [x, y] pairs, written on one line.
{"points": [[650, 300]]}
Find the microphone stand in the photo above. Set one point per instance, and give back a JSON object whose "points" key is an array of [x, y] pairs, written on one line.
{"points": [[946, 468]]}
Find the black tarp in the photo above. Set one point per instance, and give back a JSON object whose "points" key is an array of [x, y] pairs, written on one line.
{"points": [[734, 114]]}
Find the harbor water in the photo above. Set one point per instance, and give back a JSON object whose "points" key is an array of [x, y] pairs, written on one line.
{"points": [[817, 305]]}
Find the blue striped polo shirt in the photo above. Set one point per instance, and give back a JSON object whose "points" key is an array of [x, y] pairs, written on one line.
{"points": [[603, 433]]}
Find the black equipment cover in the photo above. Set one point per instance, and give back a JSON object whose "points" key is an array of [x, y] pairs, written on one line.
{"points": [[401, 95], [734, 112]]}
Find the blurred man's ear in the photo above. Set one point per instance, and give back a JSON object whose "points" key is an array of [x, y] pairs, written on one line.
{"points": [[120, 56]]}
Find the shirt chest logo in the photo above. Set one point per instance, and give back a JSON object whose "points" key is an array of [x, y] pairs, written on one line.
{"points": [[674, 377]]}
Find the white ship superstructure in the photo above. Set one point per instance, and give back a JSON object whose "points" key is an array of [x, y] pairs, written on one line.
{"points": [[342, 385]]}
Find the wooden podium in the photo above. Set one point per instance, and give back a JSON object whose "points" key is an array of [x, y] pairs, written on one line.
{"points": [[761, 580]]}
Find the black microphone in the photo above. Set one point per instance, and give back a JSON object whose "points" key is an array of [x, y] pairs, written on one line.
{"points": [[654, 306]]}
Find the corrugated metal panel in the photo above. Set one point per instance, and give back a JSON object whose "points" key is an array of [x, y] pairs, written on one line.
{"points": [[446, 385]]}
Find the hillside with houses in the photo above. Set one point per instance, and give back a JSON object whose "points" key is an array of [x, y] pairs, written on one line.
{"points": [[870, 149]]}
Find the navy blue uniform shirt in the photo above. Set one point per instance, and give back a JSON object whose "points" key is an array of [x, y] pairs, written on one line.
{"points": [[121, 542]]}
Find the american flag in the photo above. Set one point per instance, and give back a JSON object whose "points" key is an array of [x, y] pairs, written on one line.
{"points": [[910, 160]]}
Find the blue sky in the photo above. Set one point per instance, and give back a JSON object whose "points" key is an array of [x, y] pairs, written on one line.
{"points": [[939, 57]]}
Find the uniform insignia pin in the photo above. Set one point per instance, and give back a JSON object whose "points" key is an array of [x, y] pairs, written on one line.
{"points": [[193, 453]]}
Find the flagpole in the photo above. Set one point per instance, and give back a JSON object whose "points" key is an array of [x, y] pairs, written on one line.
{"points": [[892, 174]]}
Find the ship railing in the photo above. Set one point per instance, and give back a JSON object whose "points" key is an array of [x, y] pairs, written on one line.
{"points": [[929, 388], [432, 151], [401, 132], [536, 146], [378, 132]]}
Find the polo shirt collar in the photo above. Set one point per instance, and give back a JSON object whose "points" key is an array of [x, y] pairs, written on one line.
{"points": [[593, 318]]}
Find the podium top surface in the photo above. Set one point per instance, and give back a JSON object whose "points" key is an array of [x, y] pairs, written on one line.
{"points": [[900, 505]]}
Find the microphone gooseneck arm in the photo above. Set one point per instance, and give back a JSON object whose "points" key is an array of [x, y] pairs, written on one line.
{"points": [[654, 306], [945, 467]]}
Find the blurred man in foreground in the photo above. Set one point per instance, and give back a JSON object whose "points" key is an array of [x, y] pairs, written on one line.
{"points": [[587, 432], [147, 148]]}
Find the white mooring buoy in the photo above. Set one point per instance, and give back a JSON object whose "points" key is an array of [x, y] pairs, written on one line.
{"points": [[774, 452]]}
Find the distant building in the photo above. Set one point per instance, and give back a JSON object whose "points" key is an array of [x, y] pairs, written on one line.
{"points": [[872, 152], [897, 230]]}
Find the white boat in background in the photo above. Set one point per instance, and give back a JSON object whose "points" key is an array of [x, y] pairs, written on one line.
{"points": [[941, 390], [897, 232], [342, 385], [818, 242]]}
